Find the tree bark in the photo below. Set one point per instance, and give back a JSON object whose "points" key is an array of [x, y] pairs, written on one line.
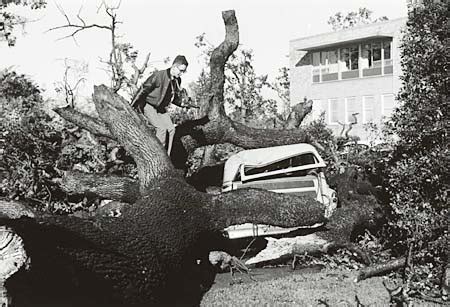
{"points": [[217, 63], [92, 124], [132, 131], [112, 187], [14, 210], [264, 207]]}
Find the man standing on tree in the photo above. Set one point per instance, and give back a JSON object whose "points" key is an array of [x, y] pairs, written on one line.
{"points": [[154, 96]]}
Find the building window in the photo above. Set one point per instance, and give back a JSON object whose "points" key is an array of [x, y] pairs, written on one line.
{"points": [[334, 116], [371, 58], [368, 109], [349, 62], [351, 107], [316, 66], [325, 65], [388, 65], [329, 65], [387, 104]]}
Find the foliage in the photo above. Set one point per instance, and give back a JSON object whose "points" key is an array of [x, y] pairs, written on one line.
{"points": [[29, 142], [34, 148], [8, 20], [243, 89], [363, 16], [281, 86], [202, 87], [318, 128], [418, 176]]}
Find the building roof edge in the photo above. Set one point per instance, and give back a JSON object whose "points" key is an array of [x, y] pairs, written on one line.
{"points": [[374, 24]]}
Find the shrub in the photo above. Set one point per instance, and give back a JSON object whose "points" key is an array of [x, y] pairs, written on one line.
{"points": [[418, 172], [35, 147], [29, 143]]}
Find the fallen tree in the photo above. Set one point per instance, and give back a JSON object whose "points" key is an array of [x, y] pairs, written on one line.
{"points": [[158, 244], [153, 246], [139, 256]]}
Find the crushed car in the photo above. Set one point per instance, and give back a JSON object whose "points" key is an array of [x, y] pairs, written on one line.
{"points": [[295, 169]]}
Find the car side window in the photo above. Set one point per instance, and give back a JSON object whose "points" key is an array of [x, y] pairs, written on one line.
{"points": [[304, 159], [300, 160], [252, 170]]}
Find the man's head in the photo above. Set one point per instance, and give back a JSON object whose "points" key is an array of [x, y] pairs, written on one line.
{"points": [[179, 66]]}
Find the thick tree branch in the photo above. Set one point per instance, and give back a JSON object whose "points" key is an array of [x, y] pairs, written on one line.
{"points": [[264, 207], [14, 210], [261, 206], [218, 59], [247, 137], [298, 114], [219, 128], [91, 124], [105, 186], [381, 268], [137, 137]]}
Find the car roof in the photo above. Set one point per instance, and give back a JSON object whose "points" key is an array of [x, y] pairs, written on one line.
{"points": [[267, 155]]}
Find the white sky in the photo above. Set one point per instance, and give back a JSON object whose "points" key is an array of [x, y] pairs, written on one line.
{"points": [[168, 28]]}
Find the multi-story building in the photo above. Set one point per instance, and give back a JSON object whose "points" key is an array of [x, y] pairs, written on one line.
{"points": [[346, 72]]}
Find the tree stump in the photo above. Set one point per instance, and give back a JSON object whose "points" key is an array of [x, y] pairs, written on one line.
{"points": [[12, 258]]}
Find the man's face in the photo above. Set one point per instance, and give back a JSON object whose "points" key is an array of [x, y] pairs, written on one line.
{"points": [[177, 70]]}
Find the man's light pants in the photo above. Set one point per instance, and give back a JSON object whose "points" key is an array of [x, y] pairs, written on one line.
{"points": [[163, 125]]}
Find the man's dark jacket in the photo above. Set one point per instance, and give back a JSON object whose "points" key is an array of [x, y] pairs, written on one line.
{"points": [[153, 91]]}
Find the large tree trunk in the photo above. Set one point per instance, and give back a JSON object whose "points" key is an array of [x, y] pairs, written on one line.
{"points": [[136, 258]]}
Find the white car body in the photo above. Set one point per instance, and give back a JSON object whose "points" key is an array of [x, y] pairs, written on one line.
{"points": [[294, 169]]}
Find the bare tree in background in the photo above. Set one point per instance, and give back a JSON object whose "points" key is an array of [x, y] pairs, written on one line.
{"points": [[73, 78], [122, 61]]}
